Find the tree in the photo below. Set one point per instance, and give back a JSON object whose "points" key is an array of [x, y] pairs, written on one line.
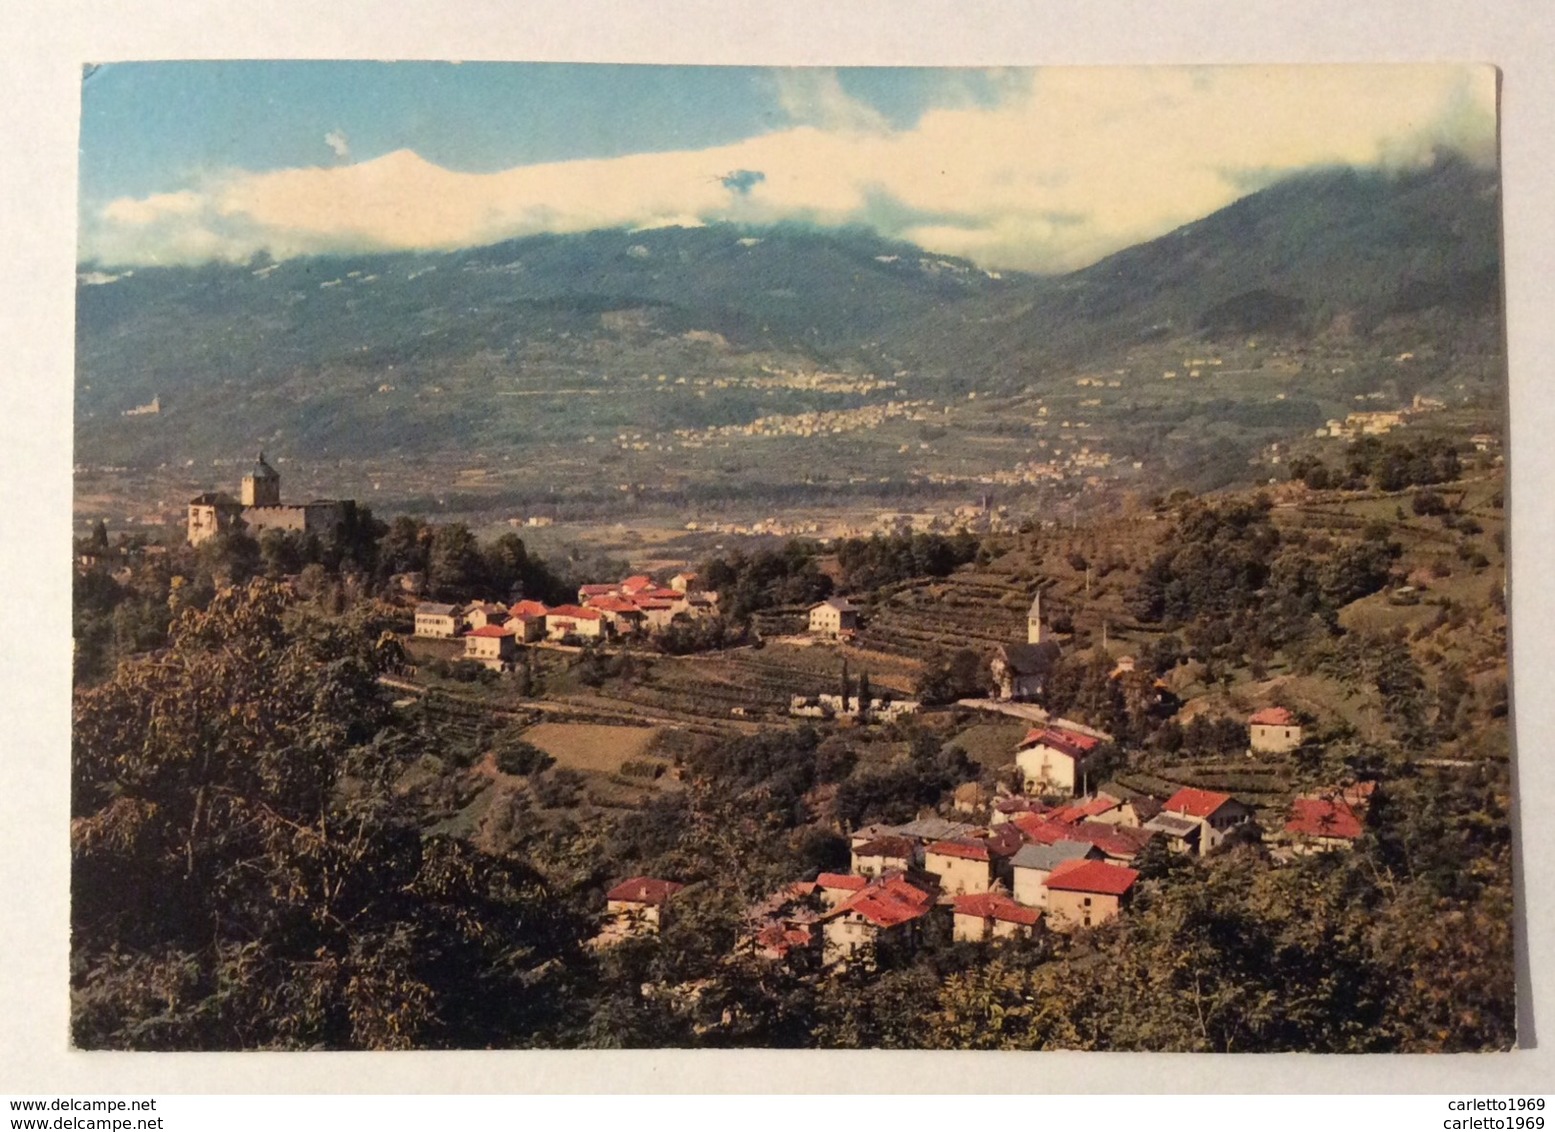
{"points": [[244, 875], [455, 568]]}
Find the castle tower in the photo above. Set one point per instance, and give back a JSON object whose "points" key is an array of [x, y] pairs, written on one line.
{"points": [[1034, 621], [262, 486]]}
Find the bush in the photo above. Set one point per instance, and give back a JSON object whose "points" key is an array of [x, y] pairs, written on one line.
{"points": [[471, 672], [518, 756], [558, 789]]}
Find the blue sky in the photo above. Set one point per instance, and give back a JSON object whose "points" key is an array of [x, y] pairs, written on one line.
{"points": [[148, 127], [1034, 169]]}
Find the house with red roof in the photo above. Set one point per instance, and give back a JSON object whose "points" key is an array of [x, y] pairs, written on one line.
{"points": [[1082, 894], [528, 609], [883, 855], [1215, 812], [492, 646], [1273, 731], [574, 621], [481, 613], [636, 905], [686, 582], [889, 912], [991, 915], [637, 583], [962, 864], [1052, 759], [621, 614], [839, 888], [1032, 864], [1319, 824]]}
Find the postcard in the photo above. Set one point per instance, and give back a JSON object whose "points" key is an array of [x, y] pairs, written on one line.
{"points": [[589, 556]]}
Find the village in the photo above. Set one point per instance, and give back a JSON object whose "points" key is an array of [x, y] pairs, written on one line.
{"points": [[1051, 855]]}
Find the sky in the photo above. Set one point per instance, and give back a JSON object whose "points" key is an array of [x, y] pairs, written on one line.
{"points": [[1046, 169]]}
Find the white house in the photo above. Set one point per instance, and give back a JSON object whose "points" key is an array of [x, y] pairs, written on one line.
{"points": [[833, 617], [1052, 759]]}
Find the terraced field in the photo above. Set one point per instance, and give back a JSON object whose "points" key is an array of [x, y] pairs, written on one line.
{"points": [[977, 611]]}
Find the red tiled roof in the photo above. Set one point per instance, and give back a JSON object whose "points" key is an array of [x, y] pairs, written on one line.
{"points": [[1195, 803], [490, 631], [1321, 817], [612, 604], [965, 848], [596, 589], [996, 906], [1079, 811], [1062, 740], [644, 890], [885, 847], [780, 940], [1113, 840], [1041, 829], [842, 880], [575, 612], [889, 902], [1273, 717], [528, 609], [1092, 876], [637, 582]]}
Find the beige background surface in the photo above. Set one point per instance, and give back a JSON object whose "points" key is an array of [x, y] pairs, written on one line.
{"points": [[46, 41]]}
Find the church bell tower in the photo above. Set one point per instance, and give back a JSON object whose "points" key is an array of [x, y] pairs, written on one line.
{"points": [[1034, 621]]}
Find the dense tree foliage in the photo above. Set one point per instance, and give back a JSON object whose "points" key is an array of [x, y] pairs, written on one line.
{"points": [[746, 584], [1385, 465], [244, 876], [1227, 571], [868, 564]]}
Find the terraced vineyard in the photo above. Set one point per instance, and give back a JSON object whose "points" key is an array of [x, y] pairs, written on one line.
{"points": [[941, 614], [1265, 787]]}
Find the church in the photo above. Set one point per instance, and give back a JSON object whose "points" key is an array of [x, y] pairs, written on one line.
{"points": [[260, 509], [1021, 671]]}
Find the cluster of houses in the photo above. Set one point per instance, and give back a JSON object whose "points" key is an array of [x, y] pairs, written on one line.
{"points": [[637, 605], [1032, 862]]}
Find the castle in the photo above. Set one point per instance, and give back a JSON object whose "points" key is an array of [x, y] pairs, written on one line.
{"points": [[260, 509]]}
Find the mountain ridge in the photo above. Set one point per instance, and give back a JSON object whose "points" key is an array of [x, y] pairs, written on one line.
{"points": [[285, 351]]}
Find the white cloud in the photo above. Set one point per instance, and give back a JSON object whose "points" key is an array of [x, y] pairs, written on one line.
{"points": [[337, 141], [813, 96], [1078, 164]]}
